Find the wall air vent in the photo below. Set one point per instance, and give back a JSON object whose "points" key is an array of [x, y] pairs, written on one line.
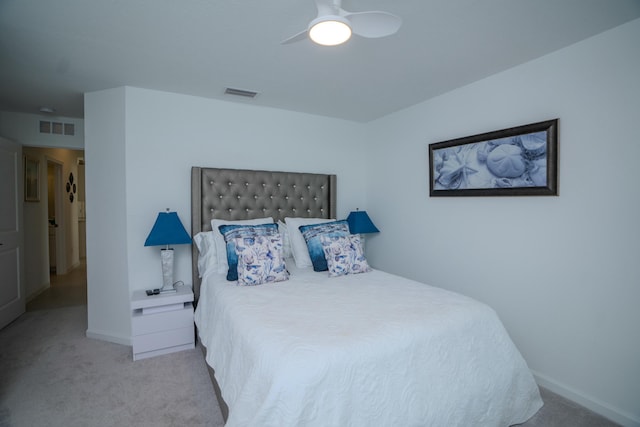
{"points": [[57, 128], [240, 92]]}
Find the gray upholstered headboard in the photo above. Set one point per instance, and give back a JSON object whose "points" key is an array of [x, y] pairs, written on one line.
{"points": [[245, 194]]}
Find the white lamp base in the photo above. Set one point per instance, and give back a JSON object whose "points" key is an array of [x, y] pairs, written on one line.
{"points": [[362, 242], [167, 268]]}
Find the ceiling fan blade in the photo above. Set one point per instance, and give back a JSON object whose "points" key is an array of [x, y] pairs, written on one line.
{"points": [[374, 24], [295, 38], [324, 7]]}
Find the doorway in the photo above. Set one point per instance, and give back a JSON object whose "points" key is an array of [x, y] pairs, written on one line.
{"points": [[67, 281], [55, 218], [47, 248]]}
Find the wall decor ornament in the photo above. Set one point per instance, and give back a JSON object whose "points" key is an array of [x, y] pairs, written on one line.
{"points": [[31, 179], [519, 161], [71, 188]]}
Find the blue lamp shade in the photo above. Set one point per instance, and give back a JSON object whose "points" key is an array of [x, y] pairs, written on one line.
{"points": [[360, 223], [168, 230]]}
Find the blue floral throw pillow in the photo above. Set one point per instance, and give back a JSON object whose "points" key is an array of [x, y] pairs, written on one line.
{"points": [[231, 232], [312, 233], [260, 260], [344, 255]]}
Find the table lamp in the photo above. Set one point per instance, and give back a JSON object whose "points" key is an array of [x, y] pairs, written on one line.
{"points": [[168, 230], [360, 223]]}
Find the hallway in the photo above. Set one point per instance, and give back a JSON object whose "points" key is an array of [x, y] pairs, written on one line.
{"points": [[67, 290]]}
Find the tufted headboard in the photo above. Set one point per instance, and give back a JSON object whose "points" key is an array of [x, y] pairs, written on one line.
{"points": [[246, 194]]}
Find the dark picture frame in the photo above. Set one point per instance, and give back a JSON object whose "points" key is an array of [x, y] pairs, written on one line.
{"points": [[519, 161], [31, 179]]}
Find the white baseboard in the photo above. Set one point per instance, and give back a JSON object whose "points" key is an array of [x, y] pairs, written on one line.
{"points": [[614, 414], [102, 336], [37, 292]]}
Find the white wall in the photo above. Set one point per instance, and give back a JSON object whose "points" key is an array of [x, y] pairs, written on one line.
{"points": [[106, 208], [25, 128], [562, 272], [153, 139]]}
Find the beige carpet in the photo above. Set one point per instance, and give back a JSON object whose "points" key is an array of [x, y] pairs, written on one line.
{"points": [[52, 375]]}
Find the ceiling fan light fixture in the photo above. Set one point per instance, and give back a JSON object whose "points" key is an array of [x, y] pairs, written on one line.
{"points": [[330, 30]]}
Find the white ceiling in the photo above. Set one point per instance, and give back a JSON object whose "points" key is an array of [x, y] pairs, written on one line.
{"points": [[52, 51]]}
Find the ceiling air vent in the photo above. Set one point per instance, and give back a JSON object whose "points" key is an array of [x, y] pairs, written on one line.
{"points": [[240, 92]]}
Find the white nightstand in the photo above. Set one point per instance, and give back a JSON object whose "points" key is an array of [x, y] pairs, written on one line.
{"points": [[161, 324]]}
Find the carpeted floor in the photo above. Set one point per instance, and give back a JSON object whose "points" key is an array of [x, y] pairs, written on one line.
{"points": [[52, 375]]}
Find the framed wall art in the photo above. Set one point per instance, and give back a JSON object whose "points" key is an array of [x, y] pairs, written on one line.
{"points": [[519, 161], [31, 179]]}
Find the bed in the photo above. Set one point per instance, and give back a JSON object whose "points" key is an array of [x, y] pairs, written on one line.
{"points": [[370, 349]]}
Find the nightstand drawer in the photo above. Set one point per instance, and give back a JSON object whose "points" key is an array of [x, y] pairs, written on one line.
{"points": [[164, 339], [162, 324], [157, 322]]}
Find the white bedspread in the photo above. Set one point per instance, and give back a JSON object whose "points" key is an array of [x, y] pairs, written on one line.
{"points": [[368, 350]]}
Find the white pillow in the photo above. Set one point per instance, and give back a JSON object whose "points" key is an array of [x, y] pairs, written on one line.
{"points": [[286, 242], [221, 245], [298, 244], [207, 258]]}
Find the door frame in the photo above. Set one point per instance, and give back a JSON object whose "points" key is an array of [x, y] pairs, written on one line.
{"points": [[60, 231]]}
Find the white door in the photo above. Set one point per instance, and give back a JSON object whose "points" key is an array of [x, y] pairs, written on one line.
{"points": [[12, 300]]}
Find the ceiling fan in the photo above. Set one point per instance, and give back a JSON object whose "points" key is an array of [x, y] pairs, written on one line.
{"points": [[334, 25]]}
